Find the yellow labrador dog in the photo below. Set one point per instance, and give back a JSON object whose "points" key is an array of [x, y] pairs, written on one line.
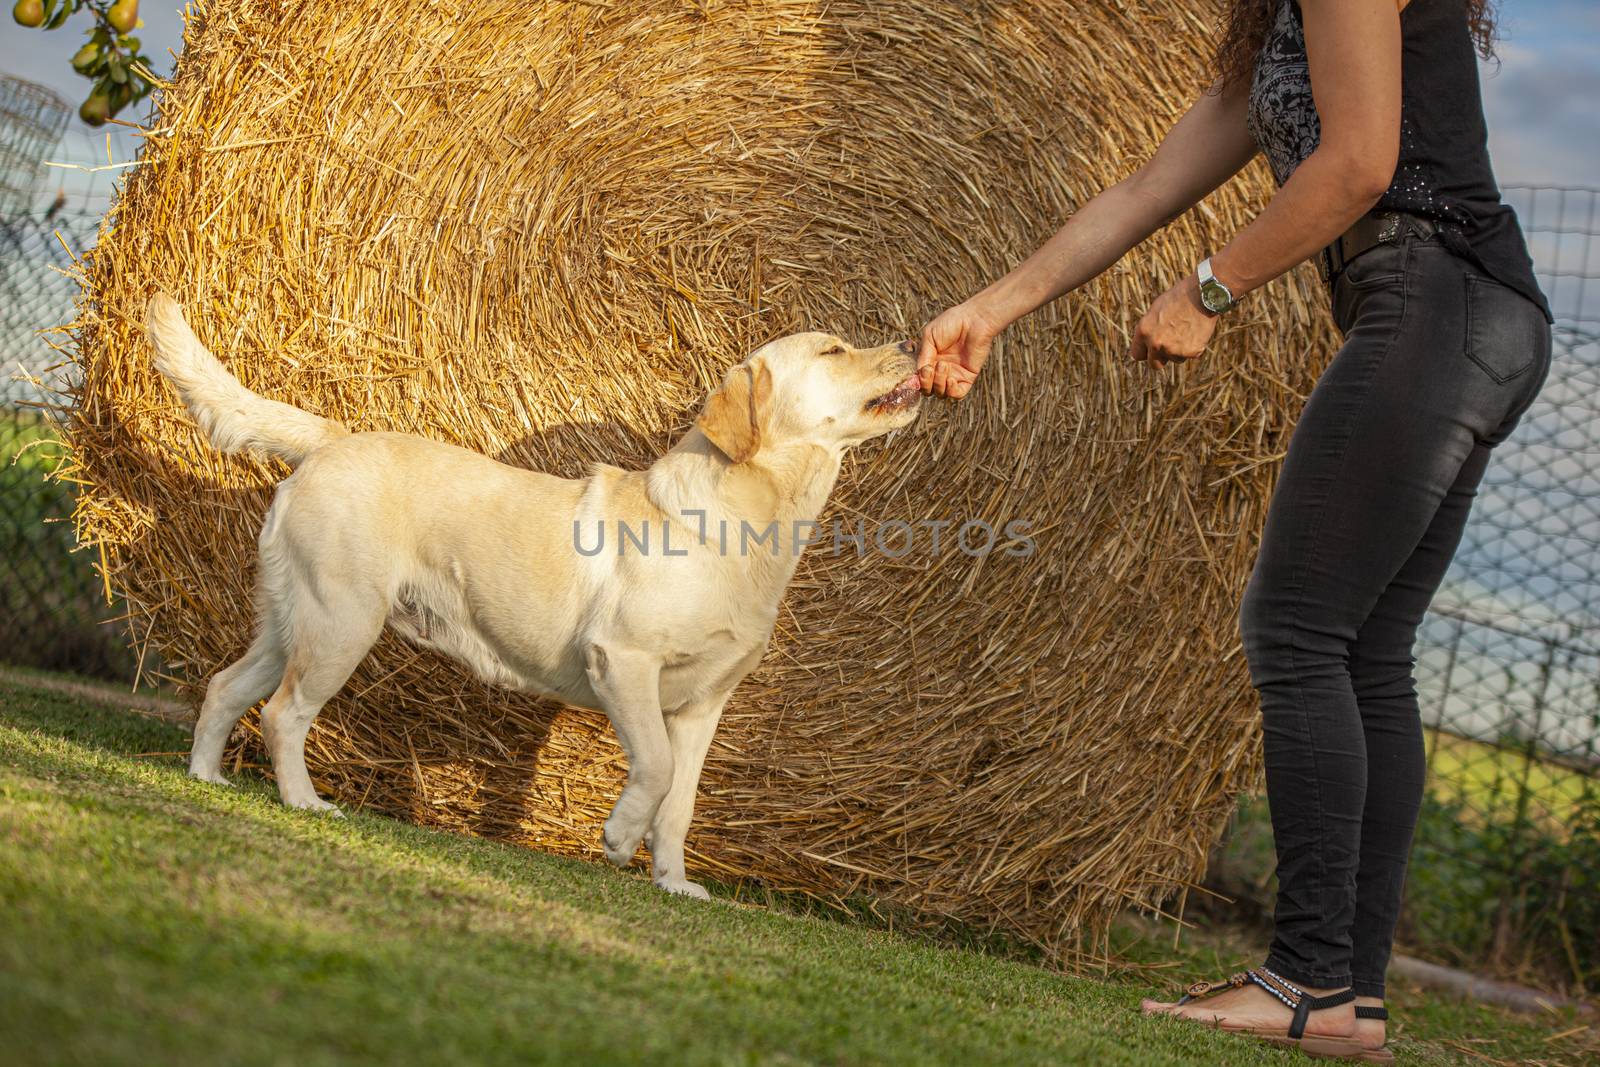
{"points": [[643, 594]]}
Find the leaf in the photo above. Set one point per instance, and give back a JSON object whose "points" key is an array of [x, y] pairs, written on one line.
{"points": [[60, 15], [119, 68]]}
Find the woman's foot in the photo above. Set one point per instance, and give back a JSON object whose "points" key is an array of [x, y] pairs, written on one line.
{"points": [[1251, 1007]]}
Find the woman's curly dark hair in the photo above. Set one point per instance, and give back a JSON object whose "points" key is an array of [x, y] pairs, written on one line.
{"points": [[1248, 22]]}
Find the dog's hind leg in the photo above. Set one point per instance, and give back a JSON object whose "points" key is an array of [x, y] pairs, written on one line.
{"points": [[690, 730], [628, 685], [326, 650], [230, 694]]}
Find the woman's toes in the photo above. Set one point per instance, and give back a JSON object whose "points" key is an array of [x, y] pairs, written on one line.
{"points": [[1155, 1007]]}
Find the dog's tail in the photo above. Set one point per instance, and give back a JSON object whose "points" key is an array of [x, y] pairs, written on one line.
{"points": [[232, 417]]}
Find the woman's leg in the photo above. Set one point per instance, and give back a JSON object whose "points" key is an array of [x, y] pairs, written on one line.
{"points": [[1386, 695], [1387, 434], [1508, 344], [1358, 490], [1351, 505]]}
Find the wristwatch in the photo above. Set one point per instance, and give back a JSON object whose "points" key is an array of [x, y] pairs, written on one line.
{"points": [[1214, 296]]}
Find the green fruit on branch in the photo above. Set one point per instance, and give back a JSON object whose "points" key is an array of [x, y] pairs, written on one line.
{"points": [[28, 12], [124, 14], [96, 109], [86, 57]]}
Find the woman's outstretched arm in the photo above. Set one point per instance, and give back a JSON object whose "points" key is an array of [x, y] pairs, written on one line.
{"points": [[1353, 47], [1205, 148]]}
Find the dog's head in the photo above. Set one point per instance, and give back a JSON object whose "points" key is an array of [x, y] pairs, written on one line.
{"points": [[812, 388]]}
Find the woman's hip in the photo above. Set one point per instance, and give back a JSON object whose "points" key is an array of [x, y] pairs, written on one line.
{"points": [[1433, 334]]}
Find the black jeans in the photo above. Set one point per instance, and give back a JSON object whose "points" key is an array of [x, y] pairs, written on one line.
{"points": [[1439, 363]]}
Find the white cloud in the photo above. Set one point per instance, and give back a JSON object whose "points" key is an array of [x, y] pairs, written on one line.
{"points": [[1541, 104]]}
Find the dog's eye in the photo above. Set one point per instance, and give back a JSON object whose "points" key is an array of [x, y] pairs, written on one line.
{"points": [[836, 350]]}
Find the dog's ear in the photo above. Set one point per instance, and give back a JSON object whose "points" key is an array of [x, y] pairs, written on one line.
{"points": [[736, 414]]}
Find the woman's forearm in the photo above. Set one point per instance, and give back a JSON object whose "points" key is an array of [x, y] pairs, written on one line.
{"points": [[1204, 148], [1319, 202], [1094, 238]]}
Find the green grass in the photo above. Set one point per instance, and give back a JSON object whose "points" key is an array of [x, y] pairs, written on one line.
{"points": [[151, 919], [28, 440], [1489, 778], [52, 600]]}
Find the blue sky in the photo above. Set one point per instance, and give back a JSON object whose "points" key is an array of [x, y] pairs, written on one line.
{"points": [[1543, 99]]}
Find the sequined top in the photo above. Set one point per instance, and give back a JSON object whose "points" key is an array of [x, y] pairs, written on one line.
{"points": [[1443, 172]]}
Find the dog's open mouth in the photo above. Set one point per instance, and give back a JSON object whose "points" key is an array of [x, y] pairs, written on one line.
{"points": [[899, 398]]}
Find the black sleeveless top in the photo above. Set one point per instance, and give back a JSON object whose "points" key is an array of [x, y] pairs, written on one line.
{"points": [[1443, 172]]}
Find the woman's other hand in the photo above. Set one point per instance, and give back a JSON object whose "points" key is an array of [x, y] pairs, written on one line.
{"points": [[954, 348], [1176, 328]]}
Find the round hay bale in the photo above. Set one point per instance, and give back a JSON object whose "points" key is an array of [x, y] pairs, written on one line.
{"points": [[542, 231]]}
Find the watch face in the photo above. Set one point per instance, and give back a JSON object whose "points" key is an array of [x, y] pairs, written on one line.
{"points": [[1215, 297]]}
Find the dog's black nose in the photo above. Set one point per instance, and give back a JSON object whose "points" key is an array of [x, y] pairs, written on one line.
{"points": [[908, 347]]}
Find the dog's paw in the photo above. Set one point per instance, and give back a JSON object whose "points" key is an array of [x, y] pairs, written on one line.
{"points": [[212, 777], [316, 804], [684, 887], [620, 847], [618, 855]]}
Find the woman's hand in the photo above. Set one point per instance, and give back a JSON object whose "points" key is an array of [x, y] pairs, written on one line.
{"points": [[1176, 328], [954, 348]]}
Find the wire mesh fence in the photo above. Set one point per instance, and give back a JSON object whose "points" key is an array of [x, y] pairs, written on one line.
{"points": [[1506, 866], [53, 609], [56, 182], [33, 119], [1508, 659]]}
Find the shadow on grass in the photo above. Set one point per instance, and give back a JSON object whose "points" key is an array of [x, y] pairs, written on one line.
{"points": [[118, 734]]}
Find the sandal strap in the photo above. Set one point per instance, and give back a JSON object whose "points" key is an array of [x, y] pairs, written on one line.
{"points": [[1297, 999], [1363, 1011], [1297, 1028], [1279, 986]]}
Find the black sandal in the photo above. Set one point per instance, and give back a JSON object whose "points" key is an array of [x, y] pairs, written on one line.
{"points": [[1301, 1003]]}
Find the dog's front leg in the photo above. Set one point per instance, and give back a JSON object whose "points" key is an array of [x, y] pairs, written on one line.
{"points": [[690, 730], [628, 685]]}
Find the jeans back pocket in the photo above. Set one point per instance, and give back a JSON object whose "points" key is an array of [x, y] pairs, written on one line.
{"points": [[1505, 331]]}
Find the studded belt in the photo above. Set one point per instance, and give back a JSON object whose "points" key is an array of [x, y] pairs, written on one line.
{"points": [[1368, 232]]}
